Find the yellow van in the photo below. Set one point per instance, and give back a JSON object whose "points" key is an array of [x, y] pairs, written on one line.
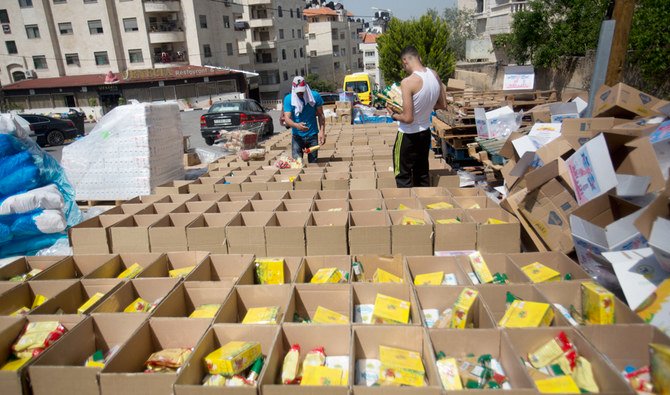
{"points": [[360, 84]]}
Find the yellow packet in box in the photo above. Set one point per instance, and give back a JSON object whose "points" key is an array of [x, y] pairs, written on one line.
{"points": [[233, 358], [475, 206], [205, 311], [435, 278], [389, 310], [448, 221], [183, 272], [325, 316], [557, 385], [539, 273], [326, 275], [39, 299], [132, 271], [597, 304], [321, 376], [21, 311], [447, 369], [407, 220], [439, 206], [262, 315], [270, 270], [139, 305], [402, 207], [90, 302], [659, 356], [15, 364], [493, 221], [401, 367], [461, 314], [480, 268], [382, 276], [525, 314]]}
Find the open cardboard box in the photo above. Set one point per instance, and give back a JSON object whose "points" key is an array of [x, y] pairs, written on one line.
{"points": [[499, 237], [92, 236], [124, 373], [168, 208], [622, 101], [494, 299], [312, 264], [302, 194], [367, 293], [234, 206], [411, 203], [245, 234], [24, 294], [189, 381], [16, 382], [460, 236], [444, 297], [174, 260], [24, 265], [393, 264], [189, 295], [497, 263], [366, 342], [204, 184], [365, 194], [265, 205], [256, 184], [332, 194], [76, 266], [132, 234], [331, 205], [131, 209], [200, 207], [369, 232], [429, 192], [173, 187], [335, 181], [554, 260], [73, 297], [411, 239], [272, 195], [528, 340], [326, 232], [285, 236], [430, 264], [363, 180], [208, 233], [376, 204], [474, 202], [115, 266], [153, 290], [237, 196], [292, 267], [396, 193], [336, 341], [169, 233], [466, 192], [386, 179], [244, 297], [308, 181], [569, 293], [280, 183], [224, 268], [426, 201], [459, 344], [293, 205], [306, 298]]}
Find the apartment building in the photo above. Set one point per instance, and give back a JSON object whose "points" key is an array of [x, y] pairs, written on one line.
{"points": [[368, 47], [275, 44], [333, 43], [56, 38]]}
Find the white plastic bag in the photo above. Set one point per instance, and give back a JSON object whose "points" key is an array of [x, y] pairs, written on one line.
{"points": [[46, 198]]}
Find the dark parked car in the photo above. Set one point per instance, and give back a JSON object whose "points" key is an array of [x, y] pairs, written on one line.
{"points": [[329, 97], [232, 115], [51, 131]]}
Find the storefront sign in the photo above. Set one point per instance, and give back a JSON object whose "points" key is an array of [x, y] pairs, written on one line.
{"points": [[168, 72]]}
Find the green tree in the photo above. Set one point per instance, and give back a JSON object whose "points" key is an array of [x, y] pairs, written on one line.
{"points": [[430, 35], [318, 84], [649, 41], [462, 25]]}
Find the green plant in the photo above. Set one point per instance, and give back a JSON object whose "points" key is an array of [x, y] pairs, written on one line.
{"points": [[122, 101], [92, 101], [463, 28], [320, 85], [649, 42]]}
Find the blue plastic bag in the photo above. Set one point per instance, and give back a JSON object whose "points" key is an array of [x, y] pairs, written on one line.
{"points": [[5, 233]]}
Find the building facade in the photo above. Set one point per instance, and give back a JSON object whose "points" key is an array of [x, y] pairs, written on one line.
{"points": [[492, 17], [333, 44], [368, 47]]}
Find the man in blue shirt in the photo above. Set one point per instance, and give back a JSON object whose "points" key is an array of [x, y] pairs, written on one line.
{"points": [[303, 108]]}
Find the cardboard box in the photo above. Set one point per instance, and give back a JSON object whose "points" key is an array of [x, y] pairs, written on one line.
{"points": [[498, 237], [411, 203], [457, 236], [223, 268], [455, 85], [336, 340], [201, 207], [365, 293], [73, 298], [241, 196], [132, 234], [92, 236], [272, 195], [120, 263], [527, 340], [24, 294], [244, 297], [176, 186], [291, 270], [302, 194], [308, 182], [24, 265], [376, 204], [188, 296], [363, 180], [554, 260], [76, 266], [366, 342], [494, 299], [171, 207], [306, 298], [312, 264], [190, 378], [393, 264], [169, 233], [466, 192], [335, 194], [60, 369], [444, 178], [365, 194], [208, 233], [153, 290], [286, 235], [497, 263], [474, 202], [239, 206], [622, 101], [174, 261], [326, 232], [369, 232], [411, 239], [442, 298], [393, 193], [245, 234], [124, 372], [417, 265], [256, 184], [302, 205], [332, 205]]}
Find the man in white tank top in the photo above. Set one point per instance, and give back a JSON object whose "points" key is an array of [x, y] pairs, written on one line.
{"points": [[421, 93]]}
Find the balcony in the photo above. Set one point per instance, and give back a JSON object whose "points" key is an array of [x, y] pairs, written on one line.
{"points": [[170, 59], [259, 2], [261, 22], [166, 37], [151, 6]]}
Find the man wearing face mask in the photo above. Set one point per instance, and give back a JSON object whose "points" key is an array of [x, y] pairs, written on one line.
{"points": [[303, 112], [421, 93]]}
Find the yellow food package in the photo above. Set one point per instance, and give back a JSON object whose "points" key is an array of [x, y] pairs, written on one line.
{"points": [[583, 376], [439, 206], [407, 220], [138, 305], [326, 275], [448, 221], [15, 364], [382, 276], [539, 273], [22, 311], [401, 367], [183, 272], [321, 376], [447, 369], [233, 358], [389, 310], [480, 268], [525, 314], [660, 367], [325, 316], [557, 385], [597, 304], [402, 207], [270, 270], [132, 271], [262, 315], [475, 206], [90, 302], [291, 365], [462, 315], [435, 278], [205, 311], [493, 221], [39, 299]]}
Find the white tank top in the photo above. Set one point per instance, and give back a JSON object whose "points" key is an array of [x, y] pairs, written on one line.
{"points": [[424, 103]]}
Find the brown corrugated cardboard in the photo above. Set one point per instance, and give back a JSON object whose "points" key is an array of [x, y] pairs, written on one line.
{"points": [[580, 130], [73, 297], [428, 192], [92, 236], [237, 196], [396, 193], [208, 233], [296, 205], [363, 180], [124, 372], [190, 295], [369, 232], [226, 268], [622, 101], [76, 266], [426, 201], [494, 297], [411, 203], [169, 233], [115, 266], [554, 260], [272, 195], [174, 187], [265, 205], [281, 183], [411, 239], [308, 182], [457, 236], [331, 205], [366, 293], [306, 298], [172, 261], [393, 264], [444, 178], [286, 236], [132, 234], [430, 264], [456, 192], [365, 194], [326, 233], [496, 237], [335, 181], [24, 294], [201, 207], [167, 208], [153, 290], [312, 264], [332, 194], [204, 184], [292, 266], [231, 184], [234, 207], [474, 202], [244, 297], [497, 263], [245, 234], [386, 179], [60, 370], [212, 197], [190, 378], [182, 198], [23, 265], [442, 298], [376, 204]]}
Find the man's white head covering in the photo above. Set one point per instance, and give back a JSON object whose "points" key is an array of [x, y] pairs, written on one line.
{"points": [[300, 85]]}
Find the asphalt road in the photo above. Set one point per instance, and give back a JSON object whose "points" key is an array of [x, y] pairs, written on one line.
{"points": [[190, 125]]}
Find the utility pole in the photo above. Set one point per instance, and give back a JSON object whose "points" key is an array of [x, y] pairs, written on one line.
{"points": [[623, 15]]}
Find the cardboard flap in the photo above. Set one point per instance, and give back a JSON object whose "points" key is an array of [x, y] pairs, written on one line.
{"points": [[591, 170]]}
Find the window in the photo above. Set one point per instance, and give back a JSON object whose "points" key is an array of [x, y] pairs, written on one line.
{"points": [[293, 33], [90, 1], [11, 47], [40, 62], [95, 27], [203, 21], [357, 86], [60, 1], [295, 54], [312, 36], [343, 52], [101, 58], [300, 33], [337, 65], [285, 75], [342, 36], [370, 66], [135, 56], [4, 16], [65, 28], [280, 13], [26, 4], [32, 31], [297, 13], [229, 49], [370, 53], [302, 71], [312, 53], [291, 12], [302, 53], [283, 54], [207, 50], [353, 50], [72, 59], [226, 21], [130, 24], [281, 34]]}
